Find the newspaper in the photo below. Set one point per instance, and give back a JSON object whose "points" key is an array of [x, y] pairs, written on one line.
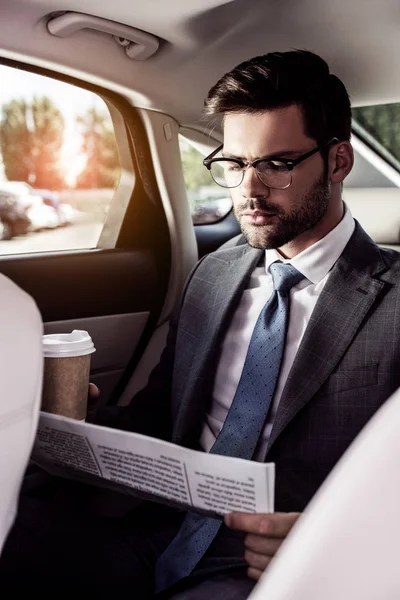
{"points": [[152, 469]]}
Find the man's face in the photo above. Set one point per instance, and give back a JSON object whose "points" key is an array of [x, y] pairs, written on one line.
{"points": [[271, 218]]}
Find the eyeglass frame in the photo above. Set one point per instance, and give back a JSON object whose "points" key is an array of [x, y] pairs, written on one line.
{"points": [[290, 163]]}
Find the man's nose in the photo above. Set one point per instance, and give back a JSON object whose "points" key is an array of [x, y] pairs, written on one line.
{"points": [[252, 186]]}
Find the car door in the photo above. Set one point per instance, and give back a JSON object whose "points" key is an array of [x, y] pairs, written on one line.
{"points": [[108, 273]]}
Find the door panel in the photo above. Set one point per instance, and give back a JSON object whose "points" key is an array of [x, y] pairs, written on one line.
{"points": [[87, 284], [114, 295], [115, 338]]}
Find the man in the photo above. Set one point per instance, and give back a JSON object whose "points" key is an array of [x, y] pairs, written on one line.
{"points": [[281, 349]]}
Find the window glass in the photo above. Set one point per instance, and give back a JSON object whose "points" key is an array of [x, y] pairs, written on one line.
{"points": [[59, 164], [208, 201], [380, 127]]}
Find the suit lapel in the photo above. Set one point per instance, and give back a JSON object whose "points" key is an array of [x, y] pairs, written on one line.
{"points": [[348, 295], [215, 291]]}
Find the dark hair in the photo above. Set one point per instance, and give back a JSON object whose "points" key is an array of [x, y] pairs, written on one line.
{"points": [[279, 79]]}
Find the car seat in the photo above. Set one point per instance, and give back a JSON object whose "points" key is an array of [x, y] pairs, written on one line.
{"points": [[21, 371]]}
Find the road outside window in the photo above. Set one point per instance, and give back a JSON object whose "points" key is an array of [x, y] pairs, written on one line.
{"points": [[59, 164], [208, 201]]}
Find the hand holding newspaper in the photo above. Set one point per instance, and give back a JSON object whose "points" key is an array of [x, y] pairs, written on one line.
{"points": [[153, 469]]}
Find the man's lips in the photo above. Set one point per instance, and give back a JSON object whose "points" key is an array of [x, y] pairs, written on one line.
{"points": [[258, 217]]}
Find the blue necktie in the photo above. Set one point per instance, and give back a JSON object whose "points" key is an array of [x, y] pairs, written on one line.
{"points": [[243, 425]]}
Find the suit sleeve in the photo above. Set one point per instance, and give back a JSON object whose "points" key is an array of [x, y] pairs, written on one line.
{"points": [[149, 412]]}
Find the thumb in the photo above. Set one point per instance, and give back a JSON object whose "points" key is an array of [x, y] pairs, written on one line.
{"points": [[93, 393]]}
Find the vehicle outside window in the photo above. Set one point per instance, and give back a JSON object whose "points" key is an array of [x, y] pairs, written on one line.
{"points": [[209, 202], [59, 164]]}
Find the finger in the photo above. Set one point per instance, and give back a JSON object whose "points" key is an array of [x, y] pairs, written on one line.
{"points": [[254, 573], [257, 561], [274, 525], [93, 392], [262, 544]]}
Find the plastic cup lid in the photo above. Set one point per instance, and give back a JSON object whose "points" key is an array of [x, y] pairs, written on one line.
{"points": [[60, 345]]}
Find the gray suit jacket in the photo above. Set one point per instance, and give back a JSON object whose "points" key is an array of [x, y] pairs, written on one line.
{"points": [[347, 365]]}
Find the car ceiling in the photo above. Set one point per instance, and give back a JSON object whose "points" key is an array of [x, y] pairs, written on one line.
{"points": [[203, 39]]}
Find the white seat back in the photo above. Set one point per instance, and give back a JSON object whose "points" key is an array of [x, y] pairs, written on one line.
{"points": [[21, 371], [378, 212]]}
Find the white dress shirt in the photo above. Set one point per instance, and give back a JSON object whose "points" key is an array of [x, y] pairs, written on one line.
{"points": [[315, 263]]}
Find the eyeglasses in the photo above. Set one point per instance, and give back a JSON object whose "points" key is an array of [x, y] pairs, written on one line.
{"points": [[275, 173]]}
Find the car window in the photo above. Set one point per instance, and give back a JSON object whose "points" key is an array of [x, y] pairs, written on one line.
{"points": [[379, 126], [208, 201], [59, 164]]}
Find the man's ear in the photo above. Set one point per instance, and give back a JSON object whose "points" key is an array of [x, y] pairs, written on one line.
{"points": [[341, 160]]}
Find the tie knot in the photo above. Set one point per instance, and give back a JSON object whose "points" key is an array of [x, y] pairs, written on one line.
{"points": [[284, 276]]}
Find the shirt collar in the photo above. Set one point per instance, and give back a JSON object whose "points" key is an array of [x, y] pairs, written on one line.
{"points": [[317, 260]]}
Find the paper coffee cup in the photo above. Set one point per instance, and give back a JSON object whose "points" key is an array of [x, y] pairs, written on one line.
{"points": [[66, 373]]}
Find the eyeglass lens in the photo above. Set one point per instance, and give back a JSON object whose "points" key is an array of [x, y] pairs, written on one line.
{"points": [[274, 174]]}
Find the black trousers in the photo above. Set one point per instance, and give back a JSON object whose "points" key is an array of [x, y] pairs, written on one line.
{"points": [[55, 546]]}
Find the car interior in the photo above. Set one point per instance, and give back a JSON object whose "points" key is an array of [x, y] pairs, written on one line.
{"points": [[125, 82]]}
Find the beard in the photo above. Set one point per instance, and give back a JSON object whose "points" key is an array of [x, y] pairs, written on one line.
{"points": [[288, 225]]}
